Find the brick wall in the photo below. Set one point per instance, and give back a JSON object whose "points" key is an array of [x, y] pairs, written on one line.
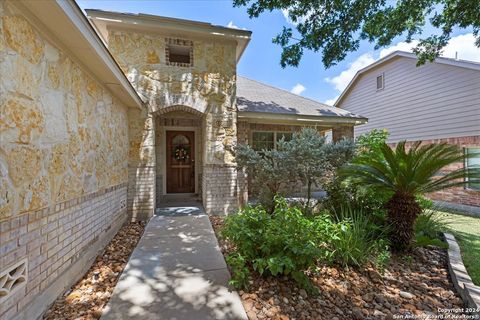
{"points": [[220, 189], [342, 132], [141, 192], [458, 195], [54, 240], [141, 165]]}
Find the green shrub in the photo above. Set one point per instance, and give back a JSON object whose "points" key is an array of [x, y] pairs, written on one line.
{"points": [[269, 171], [344, 193], [383, 255], [306, 158], [428, 228], [406, 172], [240, 271], [425, 203], [313, 161], [369, 144], [282, 243], [287, 242], [341, 191], [359, 239]]}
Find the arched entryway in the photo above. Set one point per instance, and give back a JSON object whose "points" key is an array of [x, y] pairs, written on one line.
{"points": [[180, 161], [178, 145]]}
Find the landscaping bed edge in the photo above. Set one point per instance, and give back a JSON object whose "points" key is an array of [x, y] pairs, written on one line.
{"points": [[462, 281]]}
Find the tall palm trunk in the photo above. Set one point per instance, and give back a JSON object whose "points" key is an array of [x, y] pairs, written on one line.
{"points": [[402, 211]]}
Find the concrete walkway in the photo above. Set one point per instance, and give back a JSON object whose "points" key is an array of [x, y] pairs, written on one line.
{"points": [[176, 272]]}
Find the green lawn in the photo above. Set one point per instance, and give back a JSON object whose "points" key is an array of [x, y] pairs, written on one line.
{"points": [[467, 232]]}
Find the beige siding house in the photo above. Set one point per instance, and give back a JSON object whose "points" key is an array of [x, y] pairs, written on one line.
{"points": [[102, 119], [436, 102]]}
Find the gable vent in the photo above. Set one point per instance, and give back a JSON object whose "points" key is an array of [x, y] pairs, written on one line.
{"points": [[380, 82]]}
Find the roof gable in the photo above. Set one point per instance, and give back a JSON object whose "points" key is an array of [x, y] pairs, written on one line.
{"points": [[404, 55], [103, 20]]}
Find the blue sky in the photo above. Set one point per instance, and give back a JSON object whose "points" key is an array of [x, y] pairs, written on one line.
{"points": [[261, 59]]}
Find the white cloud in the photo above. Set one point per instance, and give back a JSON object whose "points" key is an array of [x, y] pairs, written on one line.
{"points": [[298, 89], [332, 101], [286, 13], [341, 81], [463, 45], [401, 46], [234, 26]]}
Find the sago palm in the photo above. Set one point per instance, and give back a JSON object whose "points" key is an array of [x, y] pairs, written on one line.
{"points": [[406, 173]]}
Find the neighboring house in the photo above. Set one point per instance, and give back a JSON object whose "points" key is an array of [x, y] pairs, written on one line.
{"points": [[99, 125], [436, 102]]}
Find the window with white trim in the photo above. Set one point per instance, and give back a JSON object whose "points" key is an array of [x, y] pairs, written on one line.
{"points": [[380, 82], [268, 139], [472, 161]]}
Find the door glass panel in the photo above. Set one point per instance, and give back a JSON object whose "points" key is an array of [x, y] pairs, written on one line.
{"points": [[180, 139]]}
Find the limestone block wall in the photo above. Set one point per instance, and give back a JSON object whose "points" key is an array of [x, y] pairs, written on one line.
{"points": [[206, 85], [63, 163]]}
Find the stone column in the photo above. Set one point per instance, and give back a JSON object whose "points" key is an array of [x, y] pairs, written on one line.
{"points": [[242, 178], [219, 182], [342, 132], [141, 165]]}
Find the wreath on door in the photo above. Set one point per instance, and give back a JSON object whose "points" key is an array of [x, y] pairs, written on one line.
{"points": [[181, 153]]}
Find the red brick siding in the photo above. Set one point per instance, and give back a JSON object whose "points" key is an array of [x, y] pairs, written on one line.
{"points": [[456, 195]]}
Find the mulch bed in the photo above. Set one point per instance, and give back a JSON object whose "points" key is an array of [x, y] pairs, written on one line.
{"points": [[87, 298], [415, 286]]}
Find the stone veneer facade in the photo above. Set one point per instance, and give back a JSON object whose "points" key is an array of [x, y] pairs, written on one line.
{"points": [[63, 166], [205, 88]]}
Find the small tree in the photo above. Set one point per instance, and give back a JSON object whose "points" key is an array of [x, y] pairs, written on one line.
{"points": [[404, 173], [306, 158], [307, 153], [268, 171], [338, 27], [313, 160]]}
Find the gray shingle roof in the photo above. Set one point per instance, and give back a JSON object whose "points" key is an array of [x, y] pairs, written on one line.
{"points": [[254, 96]]}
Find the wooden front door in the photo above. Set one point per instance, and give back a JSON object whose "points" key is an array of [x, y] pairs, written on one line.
{"points": [[180, 162]]}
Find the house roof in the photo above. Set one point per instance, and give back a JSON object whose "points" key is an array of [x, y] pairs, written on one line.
{"points": [[402, 54], [256, 99], [102, 20], [64, 22]]}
